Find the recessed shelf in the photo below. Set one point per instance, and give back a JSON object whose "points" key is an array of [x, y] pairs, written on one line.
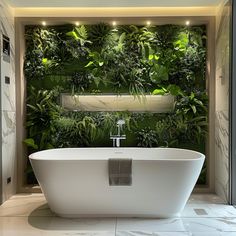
{"points": [[103, 102]]}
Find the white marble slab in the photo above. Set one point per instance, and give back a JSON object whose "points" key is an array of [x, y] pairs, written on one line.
{"points": [[8, 90], [7, 69], [210, 224], [208, 198], [28, 215], [208, 211], [212, 233], [142, 233], [150, 225], [34, 226], [148, 103], [222, 100], [25, 205], [8, 106], [9, 161], [145, 233]]}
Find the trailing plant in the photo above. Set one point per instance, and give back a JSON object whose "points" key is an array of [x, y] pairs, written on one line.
{"points": [[107, 121], [74, 133]]}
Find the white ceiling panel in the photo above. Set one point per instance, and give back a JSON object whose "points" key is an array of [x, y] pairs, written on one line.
{"points": [[113, 3]]}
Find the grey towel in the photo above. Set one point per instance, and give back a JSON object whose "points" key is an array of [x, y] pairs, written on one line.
{"points": [[120, 172]]}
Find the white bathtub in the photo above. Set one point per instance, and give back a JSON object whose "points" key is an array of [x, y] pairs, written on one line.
{"points": [[76, 184]]}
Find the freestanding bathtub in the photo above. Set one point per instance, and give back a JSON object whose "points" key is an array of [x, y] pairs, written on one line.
{"points": [[75, 181]]}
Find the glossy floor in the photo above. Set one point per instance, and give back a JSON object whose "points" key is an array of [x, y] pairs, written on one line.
{"points": [[29, 215]]}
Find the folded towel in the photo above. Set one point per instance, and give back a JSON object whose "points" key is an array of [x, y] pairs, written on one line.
{"points": [[120, 172]]}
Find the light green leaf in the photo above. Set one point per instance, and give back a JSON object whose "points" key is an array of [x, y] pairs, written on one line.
{"points": [[30, 143], [44, 60], [89, 64], [151, 57], [158, 92], [194, 109]]}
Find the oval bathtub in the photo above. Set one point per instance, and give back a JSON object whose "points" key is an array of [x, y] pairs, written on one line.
{"points": [[75, 181]]}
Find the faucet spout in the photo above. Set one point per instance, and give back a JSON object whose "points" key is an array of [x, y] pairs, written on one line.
{"points": [[116, 138]]}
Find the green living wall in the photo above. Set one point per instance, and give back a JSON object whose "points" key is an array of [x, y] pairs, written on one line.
{"points": [[136, 60]]}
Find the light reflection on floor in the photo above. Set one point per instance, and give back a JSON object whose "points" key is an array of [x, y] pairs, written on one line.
{"points": [[29, 215]]}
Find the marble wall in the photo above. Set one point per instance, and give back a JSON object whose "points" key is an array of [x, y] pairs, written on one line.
{"points": [[149, 103], [222, 101], [8, 114]]}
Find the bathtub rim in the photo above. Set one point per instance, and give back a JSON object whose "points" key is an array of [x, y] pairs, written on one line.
{"points": [[34, 156]]}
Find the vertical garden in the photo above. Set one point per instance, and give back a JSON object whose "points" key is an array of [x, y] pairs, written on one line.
{"points": [[127, 59]]}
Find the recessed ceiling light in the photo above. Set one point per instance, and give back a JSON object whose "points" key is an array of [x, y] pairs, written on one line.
{"points": [[187, 22], [77, 23], [148, 22], [44, 23], [114, 23]]}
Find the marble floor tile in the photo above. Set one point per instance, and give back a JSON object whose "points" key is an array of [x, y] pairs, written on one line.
{"points": [[25, 205], [212, 233], [54, 226], [209, 224], [150, 225], [145, 233], [198, 198], [204, 215], [208, 210]]}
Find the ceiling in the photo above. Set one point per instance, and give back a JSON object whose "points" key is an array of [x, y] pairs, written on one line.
{"points": [[113, 3]]}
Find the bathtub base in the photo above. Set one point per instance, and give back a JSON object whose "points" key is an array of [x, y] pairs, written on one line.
{"points": [[156, 216]]}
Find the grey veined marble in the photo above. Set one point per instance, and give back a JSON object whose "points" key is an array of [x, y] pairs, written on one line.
{"points": [[8, 108], [222, 102], [28, 214], [151, 103]]}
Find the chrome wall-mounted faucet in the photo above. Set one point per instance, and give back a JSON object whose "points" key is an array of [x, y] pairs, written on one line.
{"points": [[116, 138]]}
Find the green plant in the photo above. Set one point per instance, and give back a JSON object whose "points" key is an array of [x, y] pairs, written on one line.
{"points": [[164, 131], [198, 129], [98, 34], [80, 35], [147, 138], [43, 39], [72, 132], [128, 59], [190, 130], [139, 39], [33, 65], [42, 110], [192, 105], [80, 81], [77, 42], [40, 58]]}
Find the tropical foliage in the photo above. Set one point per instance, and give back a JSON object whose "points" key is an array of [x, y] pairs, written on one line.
{"points": [[136, 60]]}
